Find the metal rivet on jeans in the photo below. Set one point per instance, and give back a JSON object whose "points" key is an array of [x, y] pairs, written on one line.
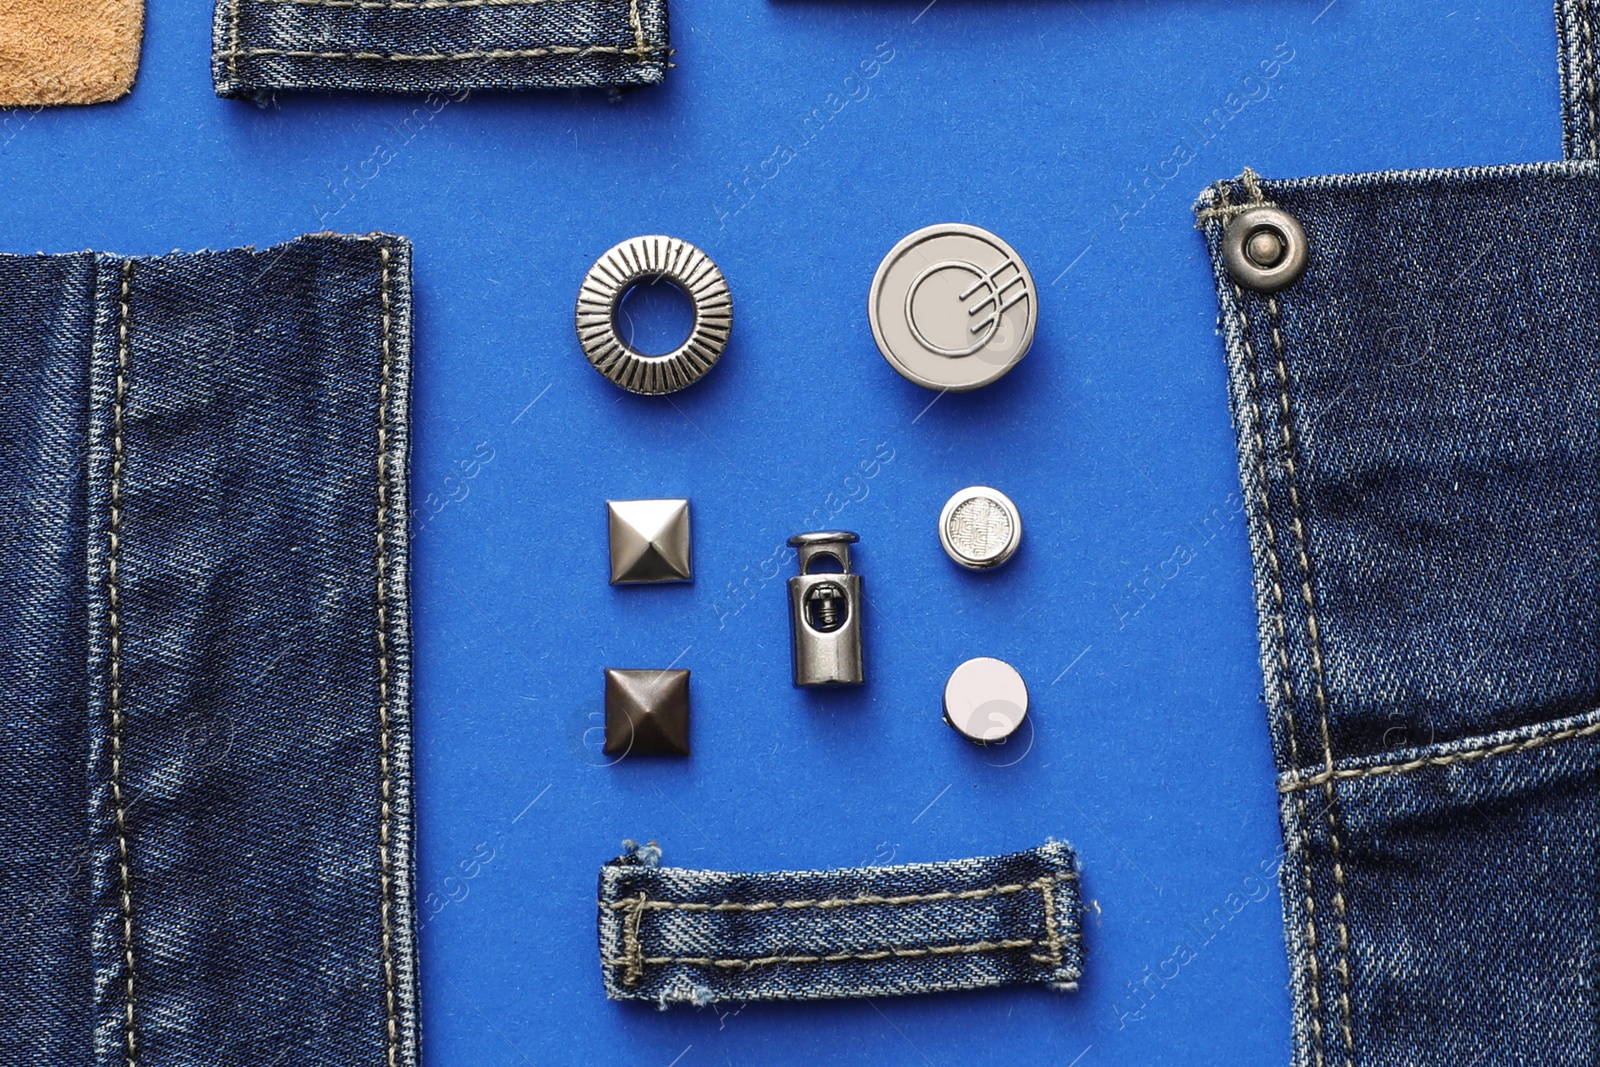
{"points": [[1264, 248], [645, 259], [985, 700]]}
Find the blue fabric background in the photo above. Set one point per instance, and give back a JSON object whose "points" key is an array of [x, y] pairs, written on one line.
{"points": [[1128, 610]]}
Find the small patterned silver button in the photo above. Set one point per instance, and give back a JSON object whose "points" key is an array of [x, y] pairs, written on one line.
{"points": [[985, 700], [980, 528]]}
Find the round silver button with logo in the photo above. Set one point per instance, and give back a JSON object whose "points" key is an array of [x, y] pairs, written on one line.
{"points": [[953, 307]]}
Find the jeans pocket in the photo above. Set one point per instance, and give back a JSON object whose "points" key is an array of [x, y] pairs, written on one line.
{"points": [[1418, 421], [1470, 876]]}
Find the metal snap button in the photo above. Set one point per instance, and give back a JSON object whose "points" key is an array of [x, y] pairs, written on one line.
{"points": [[1264, 248], [620, 269]]}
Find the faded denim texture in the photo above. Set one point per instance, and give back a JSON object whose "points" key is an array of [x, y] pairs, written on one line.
{"points": [[436, 46], [674, 936], [206, 658], [1418, 421]]}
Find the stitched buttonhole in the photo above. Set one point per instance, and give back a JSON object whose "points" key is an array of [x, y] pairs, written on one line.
{"points": [[654, 315]]}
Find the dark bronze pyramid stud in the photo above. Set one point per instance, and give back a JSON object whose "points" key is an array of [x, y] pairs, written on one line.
{"points": [[647, 713]]}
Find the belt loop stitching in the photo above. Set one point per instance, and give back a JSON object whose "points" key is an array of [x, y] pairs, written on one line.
{"points": [[540, 52], [633, 960], [114, 627], [638, 30], [413, 5], [873, 956], [1047, 887], [632, 947], [844, 902], [233, 43]]}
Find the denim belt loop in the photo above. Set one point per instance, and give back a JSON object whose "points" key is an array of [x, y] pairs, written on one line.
{"points": [[445, 47], [674, 936]]}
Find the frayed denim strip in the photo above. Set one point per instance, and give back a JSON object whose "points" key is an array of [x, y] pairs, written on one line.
{"points": [[436, 46], [670, 935]]}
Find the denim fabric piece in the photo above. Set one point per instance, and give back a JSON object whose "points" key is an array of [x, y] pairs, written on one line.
{"points": [[436, 46], [206, 658], [1418, 421], [676, 936]]}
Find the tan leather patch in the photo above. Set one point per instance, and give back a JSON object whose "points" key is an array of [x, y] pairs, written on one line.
{"points": [[68, 51]]}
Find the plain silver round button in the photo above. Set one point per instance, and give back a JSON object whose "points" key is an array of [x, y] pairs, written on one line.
{"points": [[985, 700], [953, 307], [980, 528]]}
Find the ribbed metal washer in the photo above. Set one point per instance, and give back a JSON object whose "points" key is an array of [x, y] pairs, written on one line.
{"points": [[652, 257]]}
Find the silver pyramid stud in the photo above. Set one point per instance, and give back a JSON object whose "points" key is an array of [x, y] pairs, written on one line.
{"points": [[649, 541]]}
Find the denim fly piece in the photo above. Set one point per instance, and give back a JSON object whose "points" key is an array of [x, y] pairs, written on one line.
{"points": [[436, 46], [1418, 420], [674, 936], [205, 658]]}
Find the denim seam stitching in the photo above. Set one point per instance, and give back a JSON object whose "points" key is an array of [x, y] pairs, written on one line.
{"points": [[1314, 633], [1587, 74], [114, 629], [1051, 931], [641, 52], [632, 947], [638, 28], [413, 5], [1469, 755], [838, 902], [1253, 197], [897, 952], [1284, 681], [386, 875], [233, 40]]}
